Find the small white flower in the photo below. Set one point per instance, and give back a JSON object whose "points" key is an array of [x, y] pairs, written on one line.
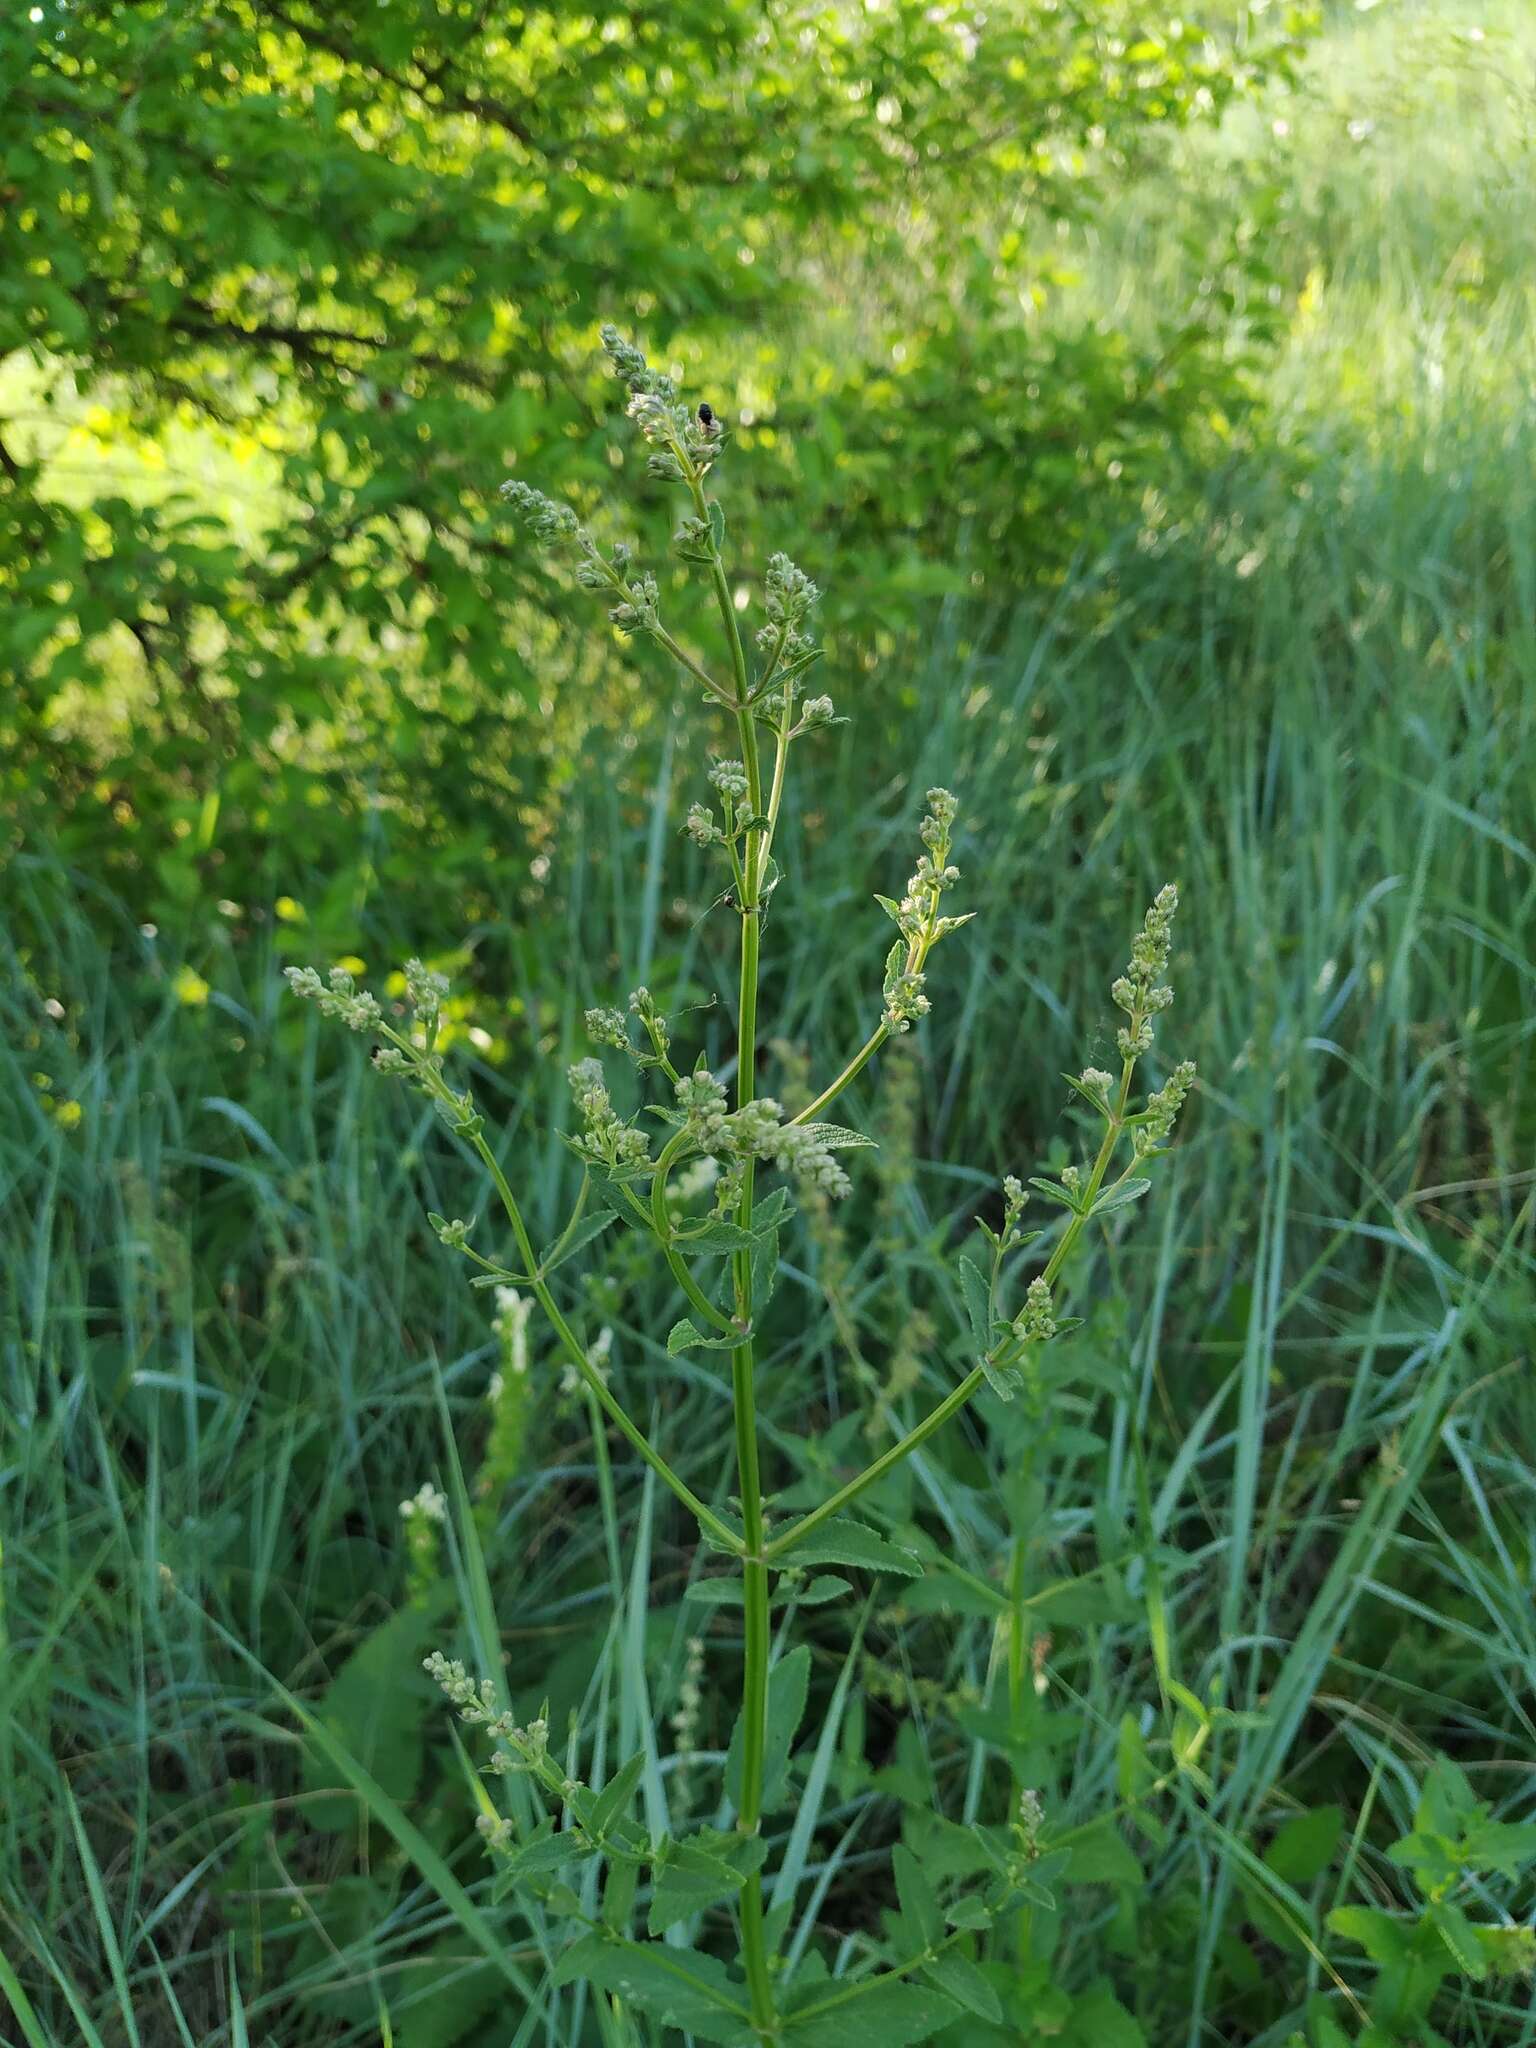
{"points": [[427, 1502]]}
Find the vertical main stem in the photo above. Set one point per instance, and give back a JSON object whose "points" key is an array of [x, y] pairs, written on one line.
{"points": [[754, 1703]]}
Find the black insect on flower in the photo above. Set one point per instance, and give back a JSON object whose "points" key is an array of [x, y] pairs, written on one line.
{"points": [[707, 419]]}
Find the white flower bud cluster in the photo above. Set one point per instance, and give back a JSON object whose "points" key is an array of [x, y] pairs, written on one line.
{"points": [[686, 1719], [696, 1178], [1015, 1196], [476, 1702], [1030, 1821], [547, 519], [642, 1004], [636, 611], [1139, 991], [730, 778], [788, 593], [425, 991], [905, 1001], [680, 439], [1097, 1083], [917, 914], [703, 1101], [605, 1138], [452, 1231], [694, 540], [753, 1132], [340, 997], [427, 1502], [1163, 1110], [1034, 1324], [817, 711], [510, 1323], [793, 1148], [599, 1353], [607, 1026], [701, 826], [629, 364]]}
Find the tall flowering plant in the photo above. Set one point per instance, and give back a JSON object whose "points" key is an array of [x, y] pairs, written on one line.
{"points": [[702, 1129]]}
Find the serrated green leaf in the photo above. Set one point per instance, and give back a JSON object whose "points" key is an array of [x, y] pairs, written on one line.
{"points": [[919, 1903], [576, 1240], [1460, 1937], [693, 1992], [714, 1236], [1056, 1193], [1099, 2020], [1507, 1847], [841, 1541], [1446, 1801], [619, 1888], [838, 1138], [610, 1804], [960, 1979], [1004, 1380], [977, 1296], [885, 2016], [1094, 1100], [540, 1857], [1102, 1856], [687, 1336], [721, 1592], [1384, 1939], [688, 1881], [1303, 1846], [377, 1711], [824, 1587], [1117, 1197], [787, 1684]]}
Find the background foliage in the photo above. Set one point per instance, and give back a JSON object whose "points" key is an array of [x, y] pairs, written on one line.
{"points": [[1155, 407]]}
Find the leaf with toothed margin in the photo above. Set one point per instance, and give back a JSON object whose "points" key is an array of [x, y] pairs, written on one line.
{"points": [[1004, 1380], [836, 1138], [686, 1336], [574, 1240], [1091, 1096], [978, 1303], [842, 1541]]}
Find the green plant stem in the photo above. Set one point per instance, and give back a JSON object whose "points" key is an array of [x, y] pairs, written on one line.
{"points": [[576, 1352], [1106, 1152], [661, 1224], [956, 1399], [881, 1977], [754, 1706], [959, 1395], [952, 1403], [855, 1066], [570, 1343], [918, 949]]}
